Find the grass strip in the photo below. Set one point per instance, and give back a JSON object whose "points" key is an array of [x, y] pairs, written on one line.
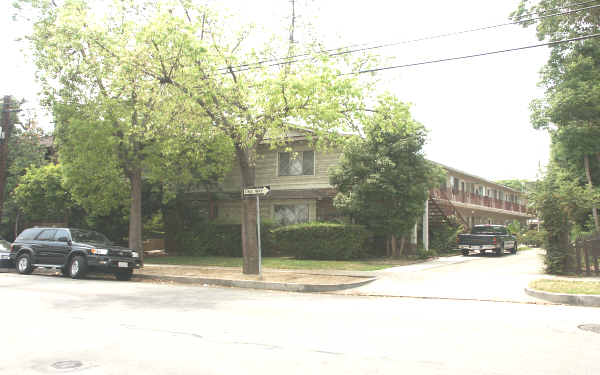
{"points": [[284, 262], [566, 286]]}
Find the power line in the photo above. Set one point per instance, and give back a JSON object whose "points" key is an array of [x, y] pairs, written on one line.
{"points": [[475, 55], [257, 65]]}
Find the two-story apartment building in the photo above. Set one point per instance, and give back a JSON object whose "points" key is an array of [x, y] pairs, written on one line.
{"points": [[300, 191]]}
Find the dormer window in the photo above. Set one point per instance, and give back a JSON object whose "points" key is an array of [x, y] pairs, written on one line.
{"points": [[301, 163]]}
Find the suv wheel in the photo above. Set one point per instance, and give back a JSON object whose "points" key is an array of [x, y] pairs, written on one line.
{"points": [[77, 267], [24, 266], [124, 275]]}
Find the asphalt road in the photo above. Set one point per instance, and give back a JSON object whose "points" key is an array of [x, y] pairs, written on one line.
{"points": [[108, 327]]}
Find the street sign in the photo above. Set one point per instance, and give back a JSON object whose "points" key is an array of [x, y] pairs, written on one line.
{"points": [[263, 190]]}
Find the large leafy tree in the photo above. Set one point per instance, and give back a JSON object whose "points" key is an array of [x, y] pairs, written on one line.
{"points": [[114, 124], [384, 179], [222, 77], [570, 108]]}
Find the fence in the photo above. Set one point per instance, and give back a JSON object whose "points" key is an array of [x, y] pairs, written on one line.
{"points": [[588, 248]]}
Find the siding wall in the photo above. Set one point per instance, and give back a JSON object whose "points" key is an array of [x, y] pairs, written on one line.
{"points": [[231, 211], [267, 171]]}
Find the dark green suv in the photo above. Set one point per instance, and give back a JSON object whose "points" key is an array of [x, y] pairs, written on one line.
{"points": [[75, 252]]}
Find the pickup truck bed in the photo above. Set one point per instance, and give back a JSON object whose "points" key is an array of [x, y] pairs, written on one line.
{"points": [[487, 237]]}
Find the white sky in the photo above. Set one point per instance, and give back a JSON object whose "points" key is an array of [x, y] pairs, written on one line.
{"points": [[476, 109]]}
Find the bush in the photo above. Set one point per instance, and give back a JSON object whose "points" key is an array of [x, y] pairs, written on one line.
{"points": [[532, 238], [442, 237], [213, 238], [322, 240], [426, 254]]}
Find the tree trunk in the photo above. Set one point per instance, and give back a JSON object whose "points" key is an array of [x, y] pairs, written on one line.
{"points": [[586, 163], [388, 247], [402, 243], [135, 213], [248, 219], [394, 246]]}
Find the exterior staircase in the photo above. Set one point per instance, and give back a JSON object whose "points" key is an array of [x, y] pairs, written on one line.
{"points": [[445, 213]]}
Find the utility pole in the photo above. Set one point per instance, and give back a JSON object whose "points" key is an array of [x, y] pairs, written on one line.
{"points": [[5, 133]]}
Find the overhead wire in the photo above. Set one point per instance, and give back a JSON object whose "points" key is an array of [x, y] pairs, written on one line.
{"points": [[474, 55], [257, 65]]}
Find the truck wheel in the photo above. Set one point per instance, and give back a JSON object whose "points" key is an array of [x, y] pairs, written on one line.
{"points": [[77, 267], [514, 249], [500, 250], [124, 275], [64, 271], [23, 264]]}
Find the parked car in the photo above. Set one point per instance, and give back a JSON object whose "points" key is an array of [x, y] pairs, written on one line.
{"points": [[487, 237], [4, 253], [74, 252]]}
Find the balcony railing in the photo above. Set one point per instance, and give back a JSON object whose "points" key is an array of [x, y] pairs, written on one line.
{"points": [[478, 200]]}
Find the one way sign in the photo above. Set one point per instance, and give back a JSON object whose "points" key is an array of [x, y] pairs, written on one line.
{"points": [[262, 190]]}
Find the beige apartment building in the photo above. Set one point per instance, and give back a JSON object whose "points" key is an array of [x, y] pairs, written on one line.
{"points": [[300, 191]]}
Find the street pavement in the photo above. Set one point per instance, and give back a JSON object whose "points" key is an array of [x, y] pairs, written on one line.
{"points": [[101, 326], [475, 277]]}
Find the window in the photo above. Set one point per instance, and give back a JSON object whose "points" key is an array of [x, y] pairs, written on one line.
{"points": [[61, 234], [297, 163], [291, 214], [46, 235], [28, 234]]}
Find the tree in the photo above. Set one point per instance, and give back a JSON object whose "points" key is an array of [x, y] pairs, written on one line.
{"points": [[224, 80], [114, 125], [41, 196], [383, 179], [570, 109]]}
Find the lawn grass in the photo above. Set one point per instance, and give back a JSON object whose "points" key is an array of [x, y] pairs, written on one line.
{"points": [[566, 286], [285, 262]]}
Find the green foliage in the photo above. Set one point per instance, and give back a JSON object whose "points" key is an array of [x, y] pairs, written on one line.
{"points": [[383, 180], [533, 238], [515, 228], [426, 254], [322, 240], [556, 198], [221, 239], [442, 237], [570, 111], [41, 196]]}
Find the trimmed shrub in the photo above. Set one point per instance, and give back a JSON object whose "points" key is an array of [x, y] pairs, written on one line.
{"points": [[213, 238], [322, 240]]}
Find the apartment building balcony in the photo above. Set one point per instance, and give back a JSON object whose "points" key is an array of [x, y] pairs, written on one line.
{"points": [[473, 200]]}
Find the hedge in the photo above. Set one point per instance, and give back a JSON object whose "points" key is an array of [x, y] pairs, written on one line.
{"points": [[209, 238], [322, 240]]}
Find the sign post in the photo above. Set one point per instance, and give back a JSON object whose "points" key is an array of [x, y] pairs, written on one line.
{"points": [[258, 191]]}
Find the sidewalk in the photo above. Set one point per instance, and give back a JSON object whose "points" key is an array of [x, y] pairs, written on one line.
{"points": [[270, 279]]}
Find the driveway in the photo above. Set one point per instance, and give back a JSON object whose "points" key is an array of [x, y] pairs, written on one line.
{"points": [[487, 278]]}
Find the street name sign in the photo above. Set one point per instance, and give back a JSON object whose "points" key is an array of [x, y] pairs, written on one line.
{"points": [[263, 190]]}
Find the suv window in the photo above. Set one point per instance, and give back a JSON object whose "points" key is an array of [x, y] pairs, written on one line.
{"points": [[61, 233], [46, 235], [28, 234]]}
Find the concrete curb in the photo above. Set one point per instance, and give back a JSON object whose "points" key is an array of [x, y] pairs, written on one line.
{"points": [[566, 299], [257, 284]]}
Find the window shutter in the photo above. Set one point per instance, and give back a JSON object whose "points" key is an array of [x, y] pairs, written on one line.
{"points": [[308, 163]]}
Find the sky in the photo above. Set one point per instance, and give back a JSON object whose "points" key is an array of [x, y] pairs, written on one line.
{"points": [[476, 110]]}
